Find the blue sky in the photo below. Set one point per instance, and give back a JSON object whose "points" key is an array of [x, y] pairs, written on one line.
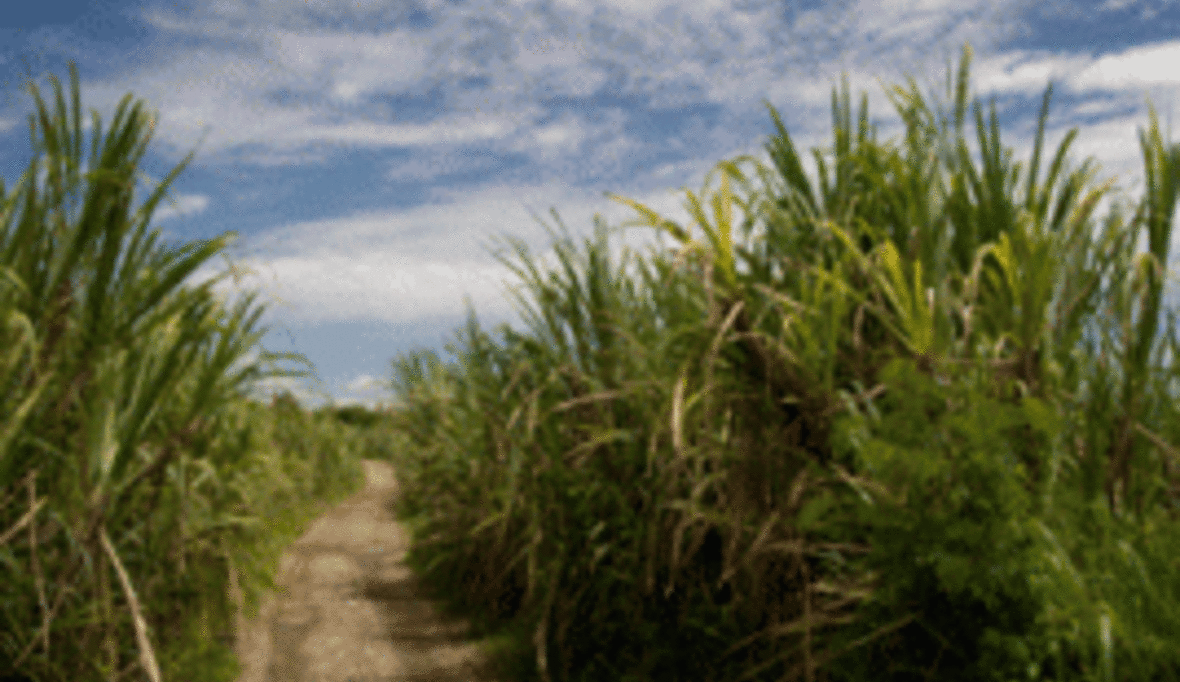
{"points": [[366, 151]]}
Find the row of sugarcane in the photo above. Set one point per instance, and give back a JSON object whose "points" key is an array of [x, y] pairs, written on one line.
{"points": [[912, 421], [145, 493]]}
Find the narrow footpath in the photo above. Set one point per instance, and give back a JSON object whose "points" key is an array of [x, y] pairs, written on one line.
{"points": [[350, 609]]}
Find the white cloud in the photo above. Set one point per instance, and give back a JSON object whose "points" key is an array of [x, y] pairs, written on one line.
{"points": [[183, 205], [1132, 68], [418, 264], [355, 64], [1126, 72], [1023, 72]]}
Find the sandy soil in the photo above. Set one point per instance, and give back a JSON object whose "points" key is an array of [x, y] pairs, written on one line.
{"points": [[352, 611]]}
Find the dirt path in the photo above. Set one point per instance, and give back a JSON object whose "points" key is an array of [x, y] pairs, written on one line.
{"points": [[352, 611]]}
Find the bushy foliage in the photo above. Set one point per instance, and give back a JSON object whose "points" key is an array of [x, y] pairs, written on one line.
{"points": [[952, 545], [144, 499], [910, 422]]}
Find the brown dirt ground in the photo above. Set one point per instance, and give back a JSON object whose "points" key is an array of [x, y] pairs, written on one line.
{"points": [[350, 609]]}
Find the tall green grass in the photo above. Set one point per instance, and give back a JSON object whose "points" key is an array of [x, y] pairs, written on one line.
{"points": [[912, 420], [144, 498]]}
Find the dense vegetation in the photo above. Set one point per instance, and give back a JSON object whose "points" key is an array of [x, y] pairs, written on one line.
{"points": [[911, 421], [144, 497]]}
